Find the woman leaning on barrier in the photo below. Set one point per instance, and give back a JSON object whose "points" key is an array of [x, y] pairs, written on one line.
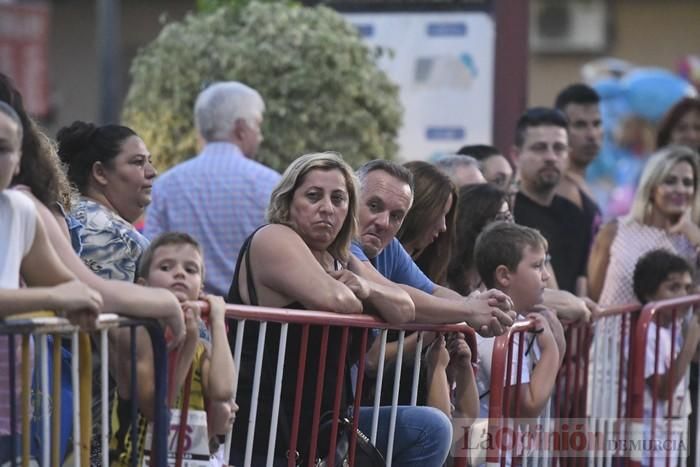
{"points": [[40, 176], [664, 214], [25, 249], [298, 262]]}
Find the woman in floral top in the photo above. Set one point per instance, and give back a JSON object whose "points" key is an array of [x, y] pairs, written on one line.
{"points": [[111, 167]]}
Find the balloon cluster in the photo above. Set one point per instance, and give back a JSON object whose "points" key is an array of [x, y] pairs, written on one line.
{"points": [[632, 103]]}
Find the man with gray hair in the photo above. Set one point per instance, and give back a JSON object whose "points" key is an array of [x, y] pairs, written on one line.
{"points": [[462, 170], [220, 196]]}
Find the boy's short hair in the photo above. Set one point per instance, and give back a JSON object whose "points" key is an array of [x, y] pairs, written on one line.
{"points": [[653, 268], [167, 238], [503, 244]]}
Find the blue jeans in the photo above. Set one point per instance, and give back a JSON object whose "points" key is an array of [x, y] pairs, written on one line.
{"points": [[422, 438]]}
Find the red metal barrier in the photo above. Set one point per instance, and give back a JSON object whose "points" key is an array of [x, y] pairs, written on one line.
{"points": [[660, 316], [315, 339]]}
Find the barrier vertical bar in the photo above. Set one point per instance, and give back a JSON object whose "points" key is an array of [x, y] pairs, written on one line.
{"points": [[240, 327], [75, 377], [45, 429], [416, 369], [378, 387], [26, 400], [254, 396], [279, 373], [159, 448], [340, 384], [133, 395], [358, 394], [182, 423], [85, 396], [319, 391], [13, 397], [104, 389], [395, 399], [56, 396], [291, 460]]}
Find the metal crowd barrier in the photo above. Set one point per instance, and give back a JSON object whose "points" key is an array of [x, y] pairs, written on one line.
{"points": [[41, 397], [298, 329], [660, 427], [599, 391], [600, 415], [608, 375]]}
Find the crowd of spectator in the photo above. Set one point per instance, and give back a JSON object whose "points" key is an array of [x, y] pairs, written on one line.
{"points": [[487, 237]]}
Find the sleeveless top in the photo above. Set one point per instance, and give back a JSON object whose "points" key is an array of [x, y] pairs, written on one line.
{"points": [[633, 240], [289, 379]]}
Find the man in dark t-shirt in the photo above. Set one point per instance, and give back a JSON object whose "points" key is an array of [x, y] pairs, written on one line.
{"points": [[541, 153], [564, 227]]}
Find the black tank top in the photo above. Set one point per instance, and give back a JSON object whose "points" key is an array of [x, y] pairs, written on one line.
{"points": [[289, 380]]}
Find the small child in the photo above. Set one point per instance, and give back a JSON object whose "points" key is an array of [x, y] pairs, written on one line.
{"points": [[512, 258], [174, 261], [451, 384], [661, 275]]}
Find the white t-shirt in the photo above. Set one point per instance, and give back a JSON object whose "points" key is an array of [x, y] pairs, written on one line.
{"points": [[483, 374], [17, 229], [680, 406]]}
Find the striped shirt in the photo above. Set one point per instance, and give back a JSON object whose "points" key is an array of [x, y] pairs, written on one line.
{"points": [[218, 197]]}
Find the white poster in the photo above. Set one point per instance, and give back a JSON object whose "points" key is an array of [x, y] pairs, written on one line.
{"points": [[444, 66]]}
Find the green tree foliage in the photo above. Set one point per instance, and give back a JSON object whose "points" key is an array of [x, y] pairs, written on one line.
{"points": [[320, 82]]}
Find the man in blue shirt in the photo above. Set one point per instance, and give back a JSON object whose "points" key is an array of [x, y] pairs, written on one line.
{"points": [[386, 195], [220, 196]]}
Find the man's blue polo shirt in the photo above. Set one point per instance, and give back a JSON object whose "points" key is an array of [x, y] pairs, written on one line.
{"points": [[396, 264]]}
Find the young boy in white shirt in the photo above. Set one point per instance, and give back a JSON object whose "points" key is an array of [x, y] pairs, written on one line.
{"points": [[662, 275], [512, 258]]}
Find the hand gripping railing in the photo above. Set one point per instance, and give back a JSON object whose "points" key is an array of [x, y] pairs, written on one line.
{"points": [[272, 346], [651, 424], [49, 445]]}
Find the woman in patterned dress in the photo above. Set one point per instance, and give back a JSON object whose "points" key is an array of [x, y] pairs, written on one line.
{"points": [[664, 214]]}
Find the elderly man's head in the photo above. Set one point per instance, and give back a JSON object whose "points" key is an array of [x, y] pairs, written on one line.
{"points": [[463, 170], [386, 195], [232, 112]]}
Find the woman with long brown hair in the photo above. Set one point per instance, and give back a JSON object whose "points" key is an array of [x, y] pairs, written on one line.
{"points": [[427, 232]]}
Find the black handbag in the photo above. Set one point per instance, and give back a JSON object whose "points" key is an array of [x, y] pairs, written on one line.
{"points": [[366, 454]]}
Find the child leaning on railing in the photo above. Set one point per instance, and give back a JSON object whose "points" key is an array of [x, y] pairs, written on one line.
{"points": [[204, 370]]}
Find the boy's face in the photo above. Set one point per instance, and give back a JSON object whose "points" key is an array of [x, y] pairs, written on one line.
{"points": [[526, 284], [177, 268], [676, 285]]}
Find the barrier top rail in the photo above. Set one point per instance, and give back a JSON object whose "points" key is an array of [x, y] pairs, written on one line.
{"points": [[615, 311], [313, 317], [25, 323]]}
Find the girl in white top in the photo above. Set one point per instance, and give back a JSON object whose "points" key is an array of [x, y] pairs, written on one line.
{"points": [[25, 250]]}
